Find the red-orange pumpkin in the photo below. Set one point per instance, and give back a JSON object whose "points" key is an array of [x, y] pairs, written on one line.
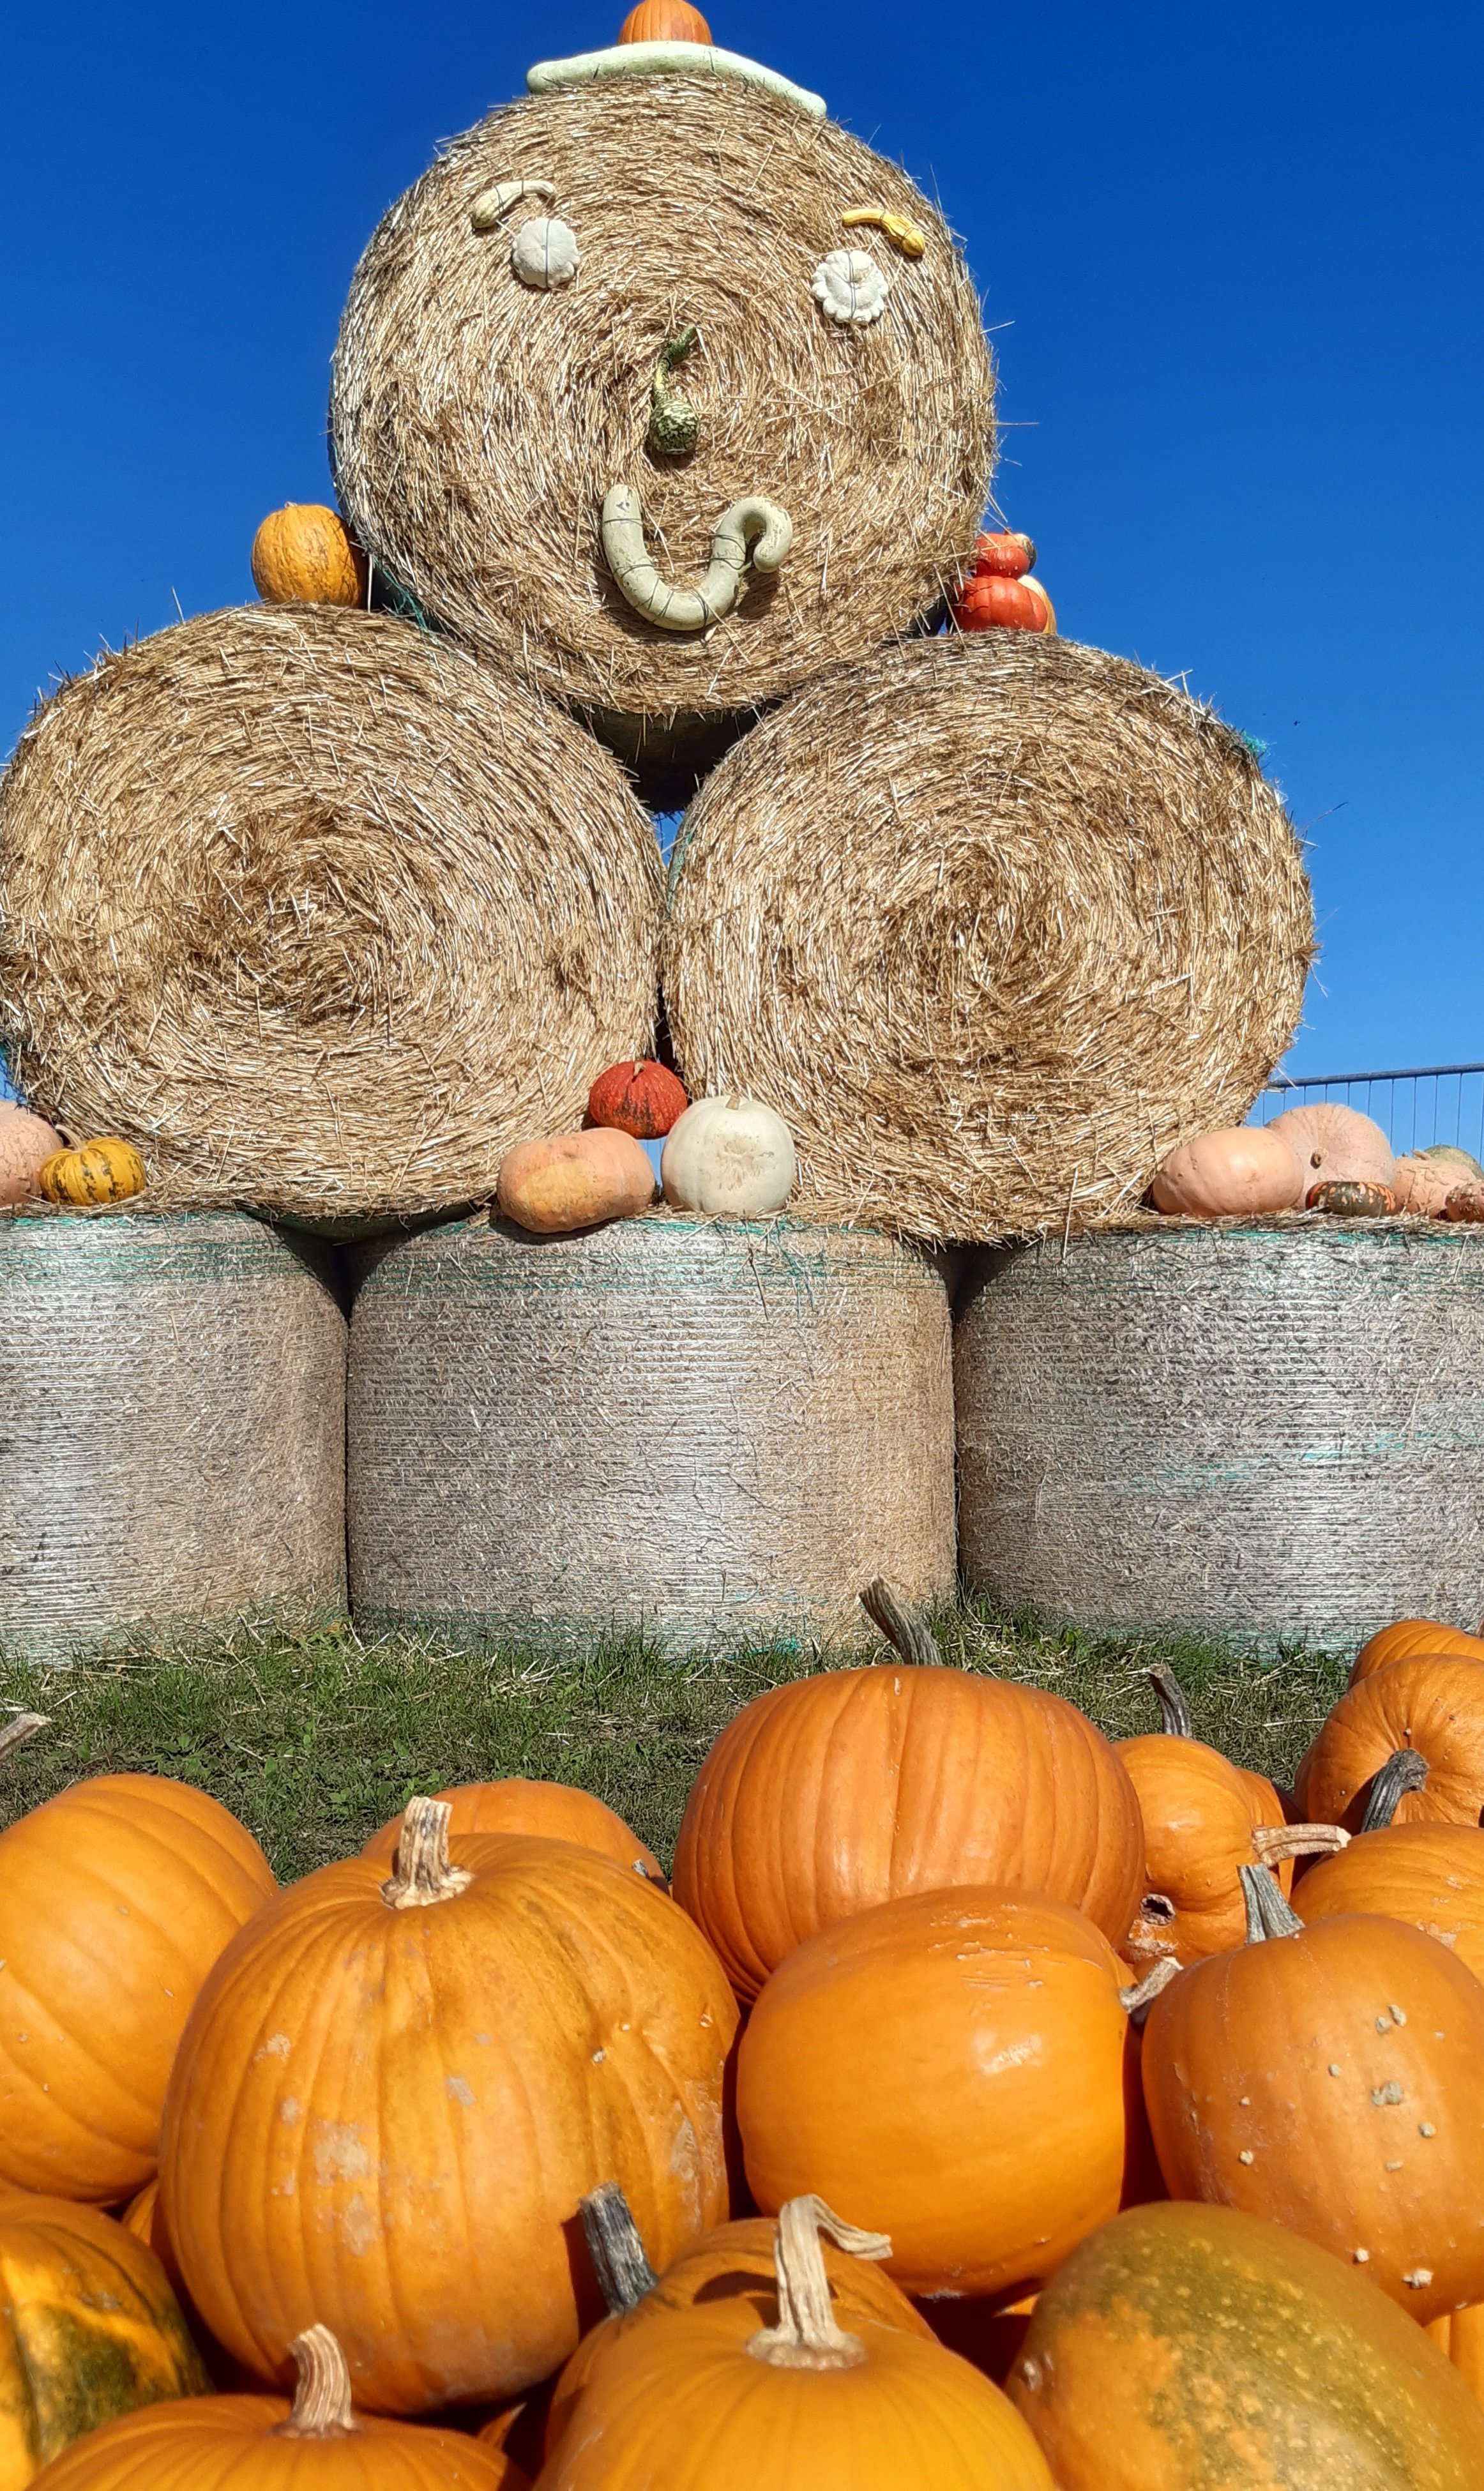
{"points": [[643, 1098], [989, 603], [664, 21], [553, 1810], [1003, 554], [1429, 1713], [1408, 1637]]}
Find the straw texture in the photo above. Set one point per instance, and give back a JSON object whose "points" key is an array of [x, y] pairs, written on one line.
{"points": [[1261, 1432], [993, 924], [477, 424], [708, 1429], [318, 914], [173, 1445]]}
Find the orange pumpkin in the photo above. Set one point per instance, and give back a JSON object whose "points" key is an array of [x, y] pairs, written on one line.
{"points": [[116, 1899], [1239, 1171], [1408, 1637], [990, 603], [394, 2092], [732, 2270], [575, 1181], [106, 1170], [643, 1098], [552, 1809], [1431, 1875], [951, 2065], [694, 2401], [1429, 1713], [1465, 1204], [1003, 554], [1331, 1141], [303, 554], [1188, 2345], [664, 21], [1461, 2336], [265, 2443], [1331, 2079], [1347, 1199]]}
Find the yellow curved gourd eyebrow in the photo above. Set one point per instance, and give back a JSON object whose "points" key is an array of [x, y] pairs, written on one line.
{"points": [[494, 203], [909, 239]]}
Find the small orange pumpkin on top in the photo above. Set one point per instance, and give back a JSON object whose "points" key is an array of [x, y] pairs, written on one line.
{"points": [[642, 1097], [998, 593], [664, 21], [305, 555], [106, 1170]]}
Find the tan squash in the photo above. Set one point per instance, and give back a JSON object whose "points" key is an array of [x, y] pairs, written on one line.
{"points": [[575, 1181], [27, 1143], [1333, 1143], [1242, 1171]]}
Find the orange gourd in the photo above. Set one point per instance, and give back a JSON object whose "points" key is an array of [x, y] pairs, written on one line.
{"points": [[1408, 1637], [1461, 2336], [1348, 1198], [1428, 1715], [553, 1810], [1004, 553], [643, 1098], [304, 554], [839, 1791], [694, 2402], [1331, 2079], [575, 1181], [1240, 1171], [265, 2443], [1187, 2346], [116, 1899], [950, 2065], [1430, 1875], [1466, 1205], [394, 2092], [664, 21], [1330, 1141], [991, 603], [103, 1171]]}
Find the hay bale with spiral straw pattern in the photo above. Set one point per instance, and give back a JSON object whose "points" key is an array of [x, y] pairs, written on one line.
{"points": [[318, 914], [993, 923], [479, 422]]}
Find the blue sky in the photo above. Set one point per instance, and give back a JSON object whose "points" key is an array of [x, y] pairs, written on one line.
{"points": [[1231, 254]]}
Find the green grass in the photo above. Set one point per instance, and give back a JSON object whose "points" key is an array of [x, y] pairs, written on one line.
{"points": [[313, 1741]]}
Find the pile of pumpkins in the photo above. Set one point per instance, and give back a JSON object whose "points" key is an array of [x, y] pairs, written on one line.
{"points": [[37, 1164], [988, 2107], [1321, 1158], [730, 1157]]}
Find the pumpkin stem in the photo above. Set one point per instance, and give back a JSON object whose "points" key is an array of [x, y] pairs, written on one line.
{"points": [[1403, 1771], [623, 2273], [1275, 1842], [807, 2336], [24, 1726], [322, 2398], [422, 1872], [1269, 1913], [910, 1636], [1174, 1711], [1136, 2002]]}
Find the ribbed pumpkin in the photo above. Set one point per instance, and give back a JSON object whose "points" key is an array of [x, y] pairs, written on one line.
{"points": [[1461, 2336], [1409, 1637], [303, 555], [393, 2093], [103, 1171], [951, 2067], [1332, 1142], [1186, 2348], [265, 2443], [90, 2330], [840, 1791], [1430, 1875], [643, 1098], [116, 1899], [664, 21], [733, 2269], [693, 2402], [1331, 2079], [1427, 1712], [553, 1810]]}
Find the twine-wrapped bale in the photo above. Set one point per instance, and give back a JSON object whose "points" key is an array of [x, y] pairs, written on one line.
{"points": [[172, 1444], [478, 423], [1260, 1432], [709, 1430], [318, 914], [993, 924]]}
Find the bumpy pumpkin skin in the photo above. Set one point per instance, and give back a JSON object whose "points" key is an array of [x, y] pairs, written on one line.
{"points": [[89, 2329], [231, 2444], [384, 2120], [1433, 1705], [1188, 2348], [116, 1899], [1334, 2082], [1200, 1813], [950, 2066], [732, 2271], [835, 1793], [552, 1809], [1431, 1876], [1410, 1637]]}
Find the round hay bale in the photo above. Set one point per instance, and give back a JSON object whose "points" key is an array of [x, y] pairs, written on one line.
{"points": [[173, 1445], [1260, 1433], [477, 424], [318, 914], [993, 924], [706, 1430]]}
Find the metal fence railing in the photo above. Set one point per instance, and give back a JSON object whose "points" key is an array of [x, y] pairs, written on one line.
{"points": [[1441, 1103]]}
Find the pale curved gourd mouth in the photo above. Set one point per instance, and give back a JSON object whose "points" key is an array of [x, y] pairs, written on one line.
{"points": [[754, 534]]}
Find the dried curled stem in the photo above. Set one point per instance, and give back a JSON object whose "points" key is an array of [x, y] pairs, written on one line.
{"points": [[24, 1726], [1403, 1771], [907, 1634], [1269, 1913], [422, 1872], [807, 2336], [624, 2274], [1174, 1711], [1137, 2001], [1275, 1842], [321, 2403]]}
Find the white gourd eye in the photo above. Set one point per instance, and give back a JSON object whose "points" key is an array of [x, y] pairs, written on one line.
{"points": [[544, 254], [851, 290]]}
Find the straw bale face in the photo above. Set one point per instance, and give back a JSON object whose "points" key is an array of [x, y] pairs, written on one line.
{"points": [[479, 421], [318, 914], [993, 924]]}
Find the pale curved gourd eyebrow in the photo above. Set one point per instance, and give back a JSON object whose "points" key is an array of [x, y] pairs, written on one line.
{"points": [[495, 203]]}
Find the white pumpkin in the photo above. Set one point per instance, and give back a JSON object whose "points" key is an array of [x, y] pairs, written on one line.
{"points": [[730, 1157]]}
